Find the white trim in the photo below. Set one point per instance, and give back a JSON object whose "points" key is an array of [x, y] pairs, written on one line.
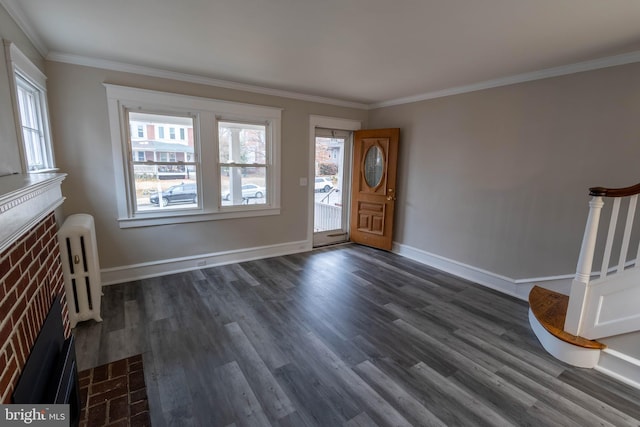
{"points": [[192, 78], [207, 113], [518, 288], [145, 270], [15, 11], [328, 123], [620, 366], [19, 63], [561, 350], [176, 217], [595, 64], [24, 201]]}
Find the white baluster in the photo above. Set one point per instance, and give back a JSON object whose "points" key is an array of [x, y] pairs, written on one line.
{"points": [[610, 235], [580, 284], [633, 200]]}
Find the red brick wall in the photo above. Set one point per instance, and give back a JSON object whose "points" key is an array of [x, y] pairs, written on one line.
{"points": [[30, 278]]}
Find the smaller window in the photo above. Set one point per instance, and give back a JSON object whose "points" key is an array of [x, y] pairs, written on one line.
{"points": [[172, 133], [161, 132], [139, 156], [30, 106], [182, 134], [140, 131]]}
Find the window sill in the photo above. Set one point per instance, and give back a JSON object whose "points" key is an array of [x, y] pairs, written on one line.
{"points": [[149, 220], [50, 170]]}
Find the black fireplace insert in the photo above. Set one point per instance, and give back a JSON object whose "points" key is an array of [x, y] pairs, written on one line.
{"points": [[50, 375]]}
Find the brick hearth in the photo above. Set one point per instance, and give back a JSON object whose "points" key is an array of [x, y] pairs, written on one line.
{"points": [[114, 394]]}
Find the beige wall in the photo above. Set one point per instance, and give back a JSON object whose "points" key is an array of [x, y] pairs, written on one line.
{"points": [[9, 148], [78, 104], [497, 179]]}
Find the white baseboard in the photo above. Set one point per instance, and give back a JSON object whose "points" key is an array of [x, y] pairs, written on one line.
{"points": [[620, 366], [518, 288], [611, 362], [145, 270]]}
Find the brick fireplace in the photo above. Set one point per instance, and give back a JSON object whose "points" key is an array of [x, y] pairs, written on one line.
{"points": [[30, 268]]}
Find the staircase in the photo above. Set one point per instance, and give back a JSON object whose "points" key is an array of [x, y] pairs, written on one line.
{"points": [[601, 304]]}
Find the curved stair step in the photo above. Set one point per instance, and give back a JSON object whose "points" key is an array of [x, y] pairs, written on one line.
{"points": [[550, 309]]}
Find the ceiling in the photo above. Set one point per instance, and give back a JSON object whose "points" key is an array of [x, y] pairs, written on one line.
{"points": [[363, 51]]}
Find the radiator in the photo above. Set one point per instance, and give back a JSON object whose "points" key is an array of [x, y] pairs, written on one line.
{"points": [[81, 268]]}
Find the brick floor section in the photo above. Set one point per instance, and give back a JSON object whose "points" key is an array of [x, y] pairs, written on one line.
{"points": [[114, 395]]}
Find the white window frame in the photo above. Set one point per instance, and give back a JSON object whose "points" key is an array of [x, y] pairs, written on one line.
{"points": [[19, 65], [208, 112]]}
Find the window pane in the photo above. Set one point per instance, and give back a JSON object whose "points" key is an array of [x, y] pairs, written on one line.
{"points": [[37, 157], [176, 189], [162, 186], [242, 143], [243, 186], [33, 148]]}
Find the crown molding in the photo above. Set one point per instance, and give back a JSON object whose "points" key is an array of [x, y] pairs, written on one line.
{"points": [[595, 64], [192, 78], [15, 11]]}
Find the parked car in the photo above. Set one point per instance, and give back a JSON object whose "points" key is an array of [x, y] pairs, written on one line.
{"points": [[323, 184], [182, 193], [248, 191]]}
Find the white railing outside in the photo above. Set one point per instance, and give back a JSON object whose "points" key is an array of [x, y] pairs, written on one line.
{"points": [[601, 306], [327, 217]]}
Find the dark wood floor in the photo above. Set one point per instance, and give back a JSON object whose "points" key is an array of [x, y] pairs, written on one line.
{"points": [[342, 336]]}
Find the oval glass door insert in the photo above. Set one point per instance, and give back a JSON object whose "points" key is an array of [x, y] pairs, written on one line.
{"points": [[373, 166]]}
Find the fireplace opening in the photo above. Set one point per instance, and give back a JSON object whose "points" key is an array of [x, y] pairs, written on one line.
{"points": [[50, 375]]}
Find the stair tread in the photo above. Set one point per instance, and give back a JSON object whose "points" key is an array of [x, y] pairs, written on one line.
{"points": [[550, 308]]}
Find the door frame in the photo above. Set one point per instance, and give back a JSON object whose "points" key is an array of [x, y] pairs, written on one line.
{"points": [[328, 123]]}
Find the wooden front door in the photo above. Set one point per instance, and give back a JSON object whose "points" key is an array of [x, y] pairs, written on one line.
{"points": [[373, 189]]}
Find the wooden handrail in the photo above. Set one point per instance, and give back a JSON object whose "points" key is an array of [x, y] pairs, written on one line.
{"points": [[615, 192]]}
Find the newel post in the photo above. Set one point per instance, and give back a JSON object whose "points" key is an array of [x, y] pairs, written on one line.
{"points": [[580, 284]]}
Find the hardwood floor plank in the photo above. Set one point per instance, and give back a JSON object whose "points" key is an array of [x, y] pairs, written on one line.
{"points": [[343, 335], [605, 389], [361, 420], [441, 334], [486, 414], [431, 397], [397, 396], [510, 354], [88, 336], [583, 415], [312, 397], [273, 399], [379, 407], [246, 407]]}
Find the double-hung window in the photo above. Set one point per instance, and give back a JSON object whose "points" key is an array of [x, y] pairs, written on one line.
{"points": [[225, 163], [166, 164], [244, 162], [28, 84]]}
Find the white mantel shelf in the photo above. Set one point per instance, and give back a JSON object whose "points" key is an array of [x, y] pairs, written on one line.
{"points": [[25, 199]]}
